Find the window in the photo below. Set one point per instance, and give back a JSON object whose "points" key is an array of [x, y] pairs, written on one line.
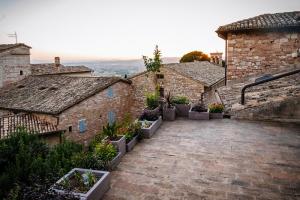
{"points": [[110, 92], [70, 129], [160, 76], [111, 117], [82, 125], [21, 72]]}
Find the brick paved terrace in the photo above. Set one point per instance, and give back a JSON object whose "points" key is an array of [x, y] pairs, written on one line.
{"points": [[216, 159]]}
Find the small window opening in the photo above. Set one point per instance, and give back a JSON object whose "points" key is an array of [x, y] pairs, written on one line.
{"points": [[70, 129], [159, 76], [21, 72]]}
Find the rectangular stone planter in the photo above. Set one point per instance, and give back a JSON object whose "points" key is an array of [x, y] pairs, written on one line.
{"points": [[148, 132], [198, 115], [132, 143], [216, 115], [120, 145], [182, 110], [169, 113], [114, 162], [95, 193]]}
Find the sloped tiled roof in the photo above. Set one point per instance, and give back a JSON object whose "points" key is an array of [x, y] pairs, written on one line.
{"points": [[202, 71], [265, 21], [50, 68], [51, 94], [4, 47], [10, 124]]}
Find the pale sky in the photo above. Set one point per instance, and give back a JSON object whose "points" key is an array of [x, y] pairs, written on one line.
{"points": [[125, 29]]}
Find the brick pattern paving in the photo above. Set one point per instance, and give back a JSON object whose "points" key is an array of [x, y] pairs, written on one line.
{"points": [[216, 159]]}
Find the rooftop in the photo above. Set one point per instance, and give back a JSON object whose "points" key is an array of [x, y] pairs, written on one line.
{"points": [[215, 159], [4, 47], [202, 71], [51, 94], [51, 68], [274, 21], [34, 124]]}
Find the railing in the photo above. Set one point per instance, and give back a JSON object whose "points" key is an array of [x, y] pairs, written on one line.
{"points": [[264, 81]]}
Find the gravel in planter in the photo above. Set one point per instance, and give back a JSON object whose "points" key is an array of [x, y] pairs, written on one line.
{"points": [[96, 192], [120, 144], [130, 145], [182, 110], [169, 113], [196, 115], [148, 132]]}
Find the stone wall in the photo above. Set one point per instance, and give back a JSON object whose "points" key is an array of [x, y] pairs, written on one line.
{"points": [[174, 82], [14, 65], [258, 53], [141, 85], [178, 84], [95, 111]]}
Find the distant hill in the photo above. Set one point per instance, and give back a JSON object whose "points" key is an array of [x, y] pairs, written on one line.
{"points": [[118, 67]]}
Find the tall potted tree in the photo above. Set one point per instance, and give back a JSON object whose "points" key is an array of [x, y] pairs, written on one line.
{"points": [[169, 109]]}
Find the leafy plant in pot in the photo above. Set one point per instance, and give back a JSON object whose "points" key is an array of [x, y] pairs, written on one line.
{"points": [[133, 134], [216, 110], [151, 112], [182, 105], [169, 109], [119, 141], [198, 111]]}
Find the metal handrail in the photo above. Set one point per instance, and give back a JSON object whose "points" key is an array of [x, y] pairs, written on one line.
{"points": [[264, 81]]}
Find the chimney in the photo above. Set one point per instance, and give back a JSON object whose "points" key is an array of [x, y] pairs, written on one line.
{"points": [[216, 58], [57, 62]]}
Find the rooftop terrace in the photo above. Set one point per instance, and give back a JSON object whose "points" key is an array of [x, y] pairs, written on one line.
{"points": [[216, 159]]}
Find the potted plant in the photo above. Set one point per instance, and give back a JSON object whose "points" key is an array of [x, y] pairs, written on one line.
{"points": [[83, 183], [216, 111], [106, 152], [198, 112], [119, 141], [182, 105], [152, 103], [169, 109], [150, 127], [133, 134]]}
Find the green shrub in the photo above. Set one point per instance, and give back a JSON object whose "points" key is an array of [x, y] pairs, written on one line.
{"points": [[180, 100], [216, 108], [105, 151], [29, 166], [110, 130], [152, 100]]}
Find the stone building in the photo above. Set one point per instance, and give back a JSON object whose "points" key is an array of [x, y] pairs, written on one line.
{"points": [[269, 45], [262, 44], [216, 58], [79, 105], [190, 79], [15, 65]]}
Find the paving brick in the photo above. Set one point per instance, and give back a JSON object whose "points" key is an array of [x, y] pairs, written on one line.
{"points": [[216, 159]]}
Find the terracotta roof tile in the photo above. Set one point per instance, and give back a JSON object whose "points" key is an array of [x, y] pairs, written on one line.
{"points": [[265, 21], [51, 94], [202, 71], [39, 69]]}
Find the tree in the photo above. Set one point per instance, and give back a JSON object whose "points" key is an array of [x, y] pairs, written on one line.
{"points": [[153, 64], [194, 56]]}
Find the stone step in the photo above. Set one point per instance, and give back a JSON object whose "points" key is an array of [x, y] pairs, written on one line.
{"points": [[259, 96]]}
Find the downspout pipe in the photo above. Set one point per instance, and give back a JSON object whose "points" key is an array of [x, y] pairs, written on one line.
{"points": [[226, 61]]}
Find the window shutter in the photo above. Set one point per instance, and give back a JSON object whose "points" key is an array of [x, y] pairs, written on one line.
{"points": [[110, 92], [111, 117], [82, 125]]}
